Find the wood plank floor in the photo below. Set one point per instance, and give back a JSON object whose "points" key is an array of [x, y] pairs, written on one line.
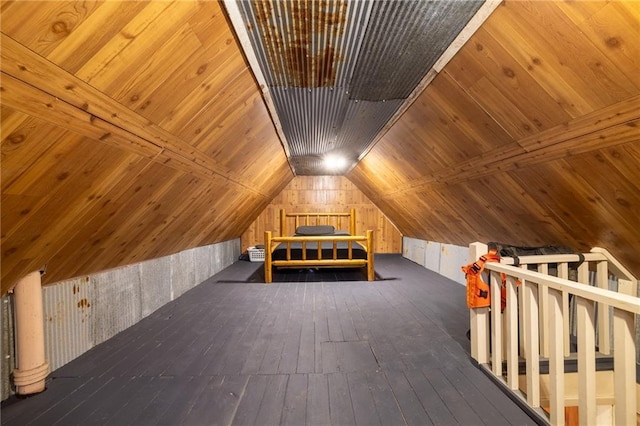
{"points": [[304, 350]]}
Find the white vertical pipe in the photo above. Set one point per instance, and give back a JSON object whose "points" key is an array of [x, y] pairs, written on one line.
{"points": [[32, 367]]}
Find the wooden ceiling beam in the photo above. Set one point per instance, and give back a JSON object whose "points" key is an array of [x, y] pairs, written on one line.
{"points": [[33, 85], [32, 101], [614, 125]]}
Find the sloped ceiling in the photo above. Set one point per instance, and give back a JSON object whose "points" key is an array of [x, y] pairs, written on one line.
{"points": [[132, 130], [338, 71], [528, 136]]}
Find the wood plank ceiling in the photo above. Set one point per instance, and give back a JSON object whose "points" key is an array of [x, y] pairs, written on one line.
{"points": [[132, 130], [528, 136]]}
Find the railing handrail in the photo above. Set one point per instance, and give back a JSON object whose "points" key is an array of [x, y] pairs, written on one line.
{"points": [[553, 258], [597, 254], [611, 298], [535, 323], [614, 265]]}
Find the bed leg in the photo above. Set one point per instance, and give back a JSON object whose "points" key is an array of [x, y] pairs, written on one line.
{"points": [[267, 258], [267, 274], [371, 273]]}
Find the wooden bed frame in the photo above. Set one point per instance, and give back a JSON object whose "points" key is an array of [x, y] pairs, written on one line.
{"points": [[364, 242]]}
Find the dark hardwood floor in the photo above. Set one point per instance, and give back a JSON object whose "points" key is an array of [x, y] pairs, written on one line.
{"points": [[308, 349]]}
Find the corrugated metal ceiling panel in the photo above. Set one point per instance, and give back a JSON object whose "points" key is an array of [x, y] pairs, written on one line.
{"points": [[362, 122], [404, 40], [306, 43], [338, 70], [311, 119]]}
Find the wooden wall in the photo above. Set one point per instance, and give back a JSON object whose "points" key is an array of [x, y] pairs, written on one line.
{"points": [[325, 194], [134, 130], [529, 136], [130, 131]]}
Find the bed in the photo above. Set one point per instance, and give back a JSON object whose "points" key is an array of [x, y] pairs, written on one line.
{"points": [[318, 240]]}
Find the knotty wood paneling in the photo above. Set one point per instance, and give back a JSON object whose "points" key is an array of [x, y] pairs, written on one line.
{"points": [[528, 136], [130, 130], [325, 194]]}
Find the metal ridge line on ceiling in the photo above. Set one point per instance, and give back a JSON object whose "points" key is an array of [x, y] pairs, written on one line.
{"points": [[336, 74]]}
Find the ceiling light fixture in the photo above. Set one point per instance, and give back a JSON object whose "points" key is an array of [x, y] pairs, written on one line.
{"points": [[335, 163]]}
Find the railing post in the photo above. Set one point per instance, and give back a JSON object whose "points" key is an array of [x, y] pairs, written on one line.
{"points": [[521, 319], [626, 287], [586, 299], [602, 281], [586, 361], [624, 368], [371, 274], [586, 331], [543, 298], [479, 317], [531, 342], [563, 272], [511, 319], [556, 358], [496, 324]]}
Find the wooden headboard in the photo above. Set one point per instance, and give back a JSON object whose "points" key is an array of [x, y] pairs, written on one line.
{"points": [[345, 221]]}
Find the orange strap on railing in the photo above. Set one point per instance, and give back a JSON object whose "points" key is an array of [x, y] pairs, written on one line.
{"points": [[478, 294]]}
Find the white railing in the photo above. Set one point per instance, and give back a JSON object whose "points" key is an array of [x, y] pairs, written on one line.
{"points": [[535, 326]]}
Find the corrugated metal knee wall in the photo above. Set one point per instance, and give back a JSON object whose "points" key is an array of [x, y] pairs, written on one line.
{"points": [[85, 311], [8, 348]]}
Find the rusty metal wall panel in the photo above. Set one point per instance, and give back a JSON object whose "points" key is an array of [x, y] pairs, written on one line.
{"points": [[8, 347], [68, 319], [85, 311]]}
